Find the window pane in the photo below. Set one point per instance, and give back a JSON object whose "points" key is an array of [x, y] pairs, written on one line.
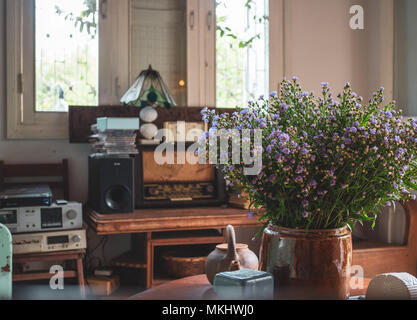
{"points": [[66, 54], [242, 53], [158, 38]]}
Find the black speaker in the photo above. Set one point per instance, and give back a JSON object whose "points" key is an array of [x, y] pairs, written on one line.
{"points": [[111, 185]]}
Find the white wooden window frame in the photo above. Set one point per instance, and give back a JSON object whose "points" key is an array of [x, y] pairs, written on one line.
{"points": [[201, 50], [23, 122], [201, 53]]}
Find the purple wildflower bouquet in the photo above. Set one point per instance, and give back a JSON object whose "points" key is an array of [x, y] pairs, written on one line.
{"points": [[327, 162]]}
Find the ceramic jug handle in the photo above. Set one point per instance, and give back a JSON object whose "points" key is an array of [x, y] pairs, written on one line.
{"points": [[231, 248]]}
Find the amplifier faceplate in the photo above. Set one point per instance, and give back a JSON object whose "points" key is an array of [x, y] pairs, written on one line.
{"points": [[49, 241]]}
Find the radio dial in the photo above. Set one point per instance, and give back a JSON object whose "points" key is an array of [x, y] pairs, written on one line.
{"points": [[76, 238], [71, 214]]}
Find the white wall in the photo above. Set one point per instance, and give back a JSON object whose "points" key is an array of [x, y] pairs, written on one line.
{"points": [[319, 45]]}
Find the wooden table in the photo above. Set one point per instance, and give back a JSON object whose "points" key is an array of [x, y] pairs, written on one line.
{"points": [[197, 288], [166, 227]]}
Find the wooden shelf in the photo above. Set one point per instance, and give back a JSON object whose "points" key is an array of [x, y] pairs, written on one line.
{"points": [[41, 275], [129, 259], [186, 234], [375, 245]]}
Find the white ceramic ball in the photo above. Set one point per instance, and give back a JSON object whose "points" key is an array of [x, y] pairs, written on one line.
{"points": [[148, 130], [148, 114]]}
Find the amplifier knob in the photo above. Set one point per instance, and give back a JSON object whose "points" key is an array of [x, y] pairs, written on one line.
{"points": [[209, 189], [76, 238], [71, 214]]}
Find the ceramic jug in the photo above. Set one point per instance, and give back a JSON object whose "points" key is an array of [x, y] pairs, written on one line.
{"points": [[230, 256]]}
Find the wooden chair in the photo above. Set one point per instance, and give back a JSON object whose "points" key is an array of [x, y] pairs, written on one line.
{"points": [[56, 176], [53, 174]]}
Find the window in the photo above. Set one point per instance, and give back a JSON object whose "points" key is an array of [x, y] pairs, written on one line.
{"points": [[52, 62], [66, 70], [242, 51]]}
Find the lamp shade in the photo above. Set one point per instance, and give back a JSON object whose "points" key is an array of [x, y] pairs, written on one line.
{"points": [[148, 90]]}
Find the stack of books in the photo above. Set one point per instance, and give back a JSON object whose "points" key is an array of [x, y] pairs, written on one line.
{"points": [[114, 136]]}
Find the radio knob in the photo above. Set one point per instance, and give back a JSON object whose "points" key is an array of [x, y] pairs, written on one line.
{"points": [[76, 238], [153, 191], [71, 214]]}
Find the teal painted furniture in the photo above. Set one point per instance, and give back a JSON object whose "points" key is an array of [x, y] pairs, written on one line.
{"points": [[5, 263]]}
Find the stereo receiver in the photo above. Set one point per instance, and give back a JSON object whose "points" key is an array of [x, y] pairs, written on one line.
{"points": [[51, 218]]}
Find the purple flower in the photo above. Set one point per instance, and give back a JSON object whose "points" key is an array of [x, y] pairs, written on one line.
{"points": [[269, 149], [299, 170], [413, 197], [305, 214], [284, 137], [305, 203], [353, 129], [372, 131], [298, 179], [286, 151], [348, 141], [333, 183], [273, 94], [312, 183], [356, 124], [304, 151], [294, 78]]}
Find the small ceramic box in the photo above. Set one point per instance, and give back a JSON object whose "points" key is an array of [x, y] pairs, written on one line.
{"points": [[245, 284]]}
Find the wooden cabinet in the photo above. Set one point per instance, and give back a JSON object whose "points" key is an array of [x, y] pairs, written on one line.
{"points": [[156, 228], [176, 37]]}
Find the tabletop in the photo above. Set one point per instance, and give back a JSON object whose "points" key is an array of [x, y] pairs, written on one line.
{"points": [[168, 219], [197, 288]]}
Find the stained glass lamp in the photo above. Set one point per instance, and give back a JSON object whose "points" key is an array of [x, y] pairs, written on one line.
{"points": [[148, 90]]}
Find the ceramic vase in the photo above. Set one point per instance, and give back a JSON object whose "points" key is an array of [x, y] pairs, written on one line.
{"points": [[313, 264]]}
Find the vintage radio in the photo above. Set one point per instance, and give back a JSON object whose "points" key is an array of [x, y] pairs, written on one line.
{"points": [[33, 219], [49, 241], [177, 184]]}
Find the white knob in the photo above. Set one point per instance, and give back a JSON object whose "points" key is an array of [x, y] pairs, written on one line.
{"points": [[76, 238]]}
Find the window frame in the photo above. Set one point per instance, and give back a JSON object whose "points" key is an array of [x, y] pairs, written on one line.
{"points": [[23, 122]]}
